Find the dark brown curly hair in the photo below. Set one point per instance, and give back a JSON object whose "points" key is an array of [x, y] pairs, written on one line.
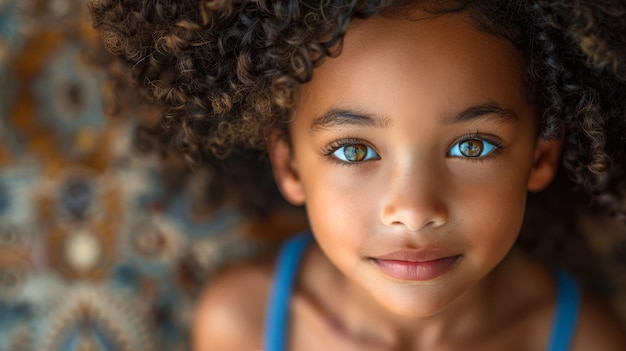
{"points": [[227, 72]]}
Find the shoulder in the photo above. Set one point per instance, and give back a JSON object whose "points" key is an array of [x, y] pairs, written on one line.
{"points": [[598, 328], [230, 313], [533, 309]]}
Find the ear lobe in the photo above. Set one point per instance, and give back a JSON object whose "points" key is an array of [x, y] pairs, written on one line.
{"points": [[285, 169], [546, 162]]}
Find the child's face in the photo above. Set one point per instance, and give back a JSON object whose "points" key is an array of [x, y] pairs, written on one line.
{"points": [[435, 117]]}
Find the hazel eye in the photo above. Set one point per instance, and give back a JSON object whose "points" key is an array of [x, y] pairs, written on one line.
{"points": [[355, 153], [471, 148]]}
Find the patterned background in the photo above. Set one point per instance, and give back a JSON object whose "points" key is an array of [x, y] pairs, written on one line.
{"points": [[98, 251]]}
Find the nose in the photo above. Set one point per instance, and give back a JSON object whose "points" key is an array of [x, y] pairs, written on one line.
{"points": [[415, 200]]}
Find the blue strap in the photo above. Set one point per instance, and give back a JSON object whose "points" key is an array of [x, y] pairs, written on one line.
{"points": [[277, 315], [566, 314]]}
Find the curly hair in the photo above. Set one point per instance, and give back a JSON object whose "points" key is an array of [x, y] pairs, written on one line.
{"points": [[227, 72]]}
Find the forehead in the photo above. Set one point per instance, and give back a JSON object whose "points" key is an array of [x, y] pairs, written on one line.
{"points": [[428, 64]]}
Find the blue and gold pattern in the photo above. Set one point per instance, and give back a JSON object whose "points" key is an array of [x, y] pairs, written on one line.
{"points": [[94, 254]]}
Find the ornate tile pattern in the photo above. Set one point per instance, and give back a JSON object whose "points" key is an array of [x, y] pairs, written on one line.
{"points": [[95, 254]]}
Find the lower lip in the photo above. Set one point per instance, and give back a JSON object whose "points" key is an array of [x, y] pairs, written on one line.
{"points": [[417, 271]]}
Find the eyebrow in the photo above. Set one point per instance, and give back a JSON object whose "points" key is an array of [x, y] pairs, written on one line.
{"points": [[340, 117], [490, 110]]}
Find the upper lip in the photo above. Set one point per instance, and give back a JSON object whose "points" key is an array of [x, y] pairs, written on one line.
{"points": [[416, 255]]}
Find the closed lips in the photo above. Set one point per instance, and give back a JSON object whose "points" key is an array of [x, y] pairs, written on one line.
{"points": [[416, 266]]}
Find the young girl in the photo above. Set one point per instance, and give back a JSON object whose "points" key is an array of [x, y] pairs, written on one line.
{"points": [[411, 132]]}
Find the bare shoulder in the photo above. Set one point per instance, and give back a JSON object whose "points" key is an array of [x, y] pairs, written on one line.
{"points": [[230, 312], [598, 328]]}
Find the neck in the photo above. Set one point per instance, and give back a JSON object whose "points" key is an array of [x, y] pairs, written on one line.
{"points": [[358, 314], [462, 317]]}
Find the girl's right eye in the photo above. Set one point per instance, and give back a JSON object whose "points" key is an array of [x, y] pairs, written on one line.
{"points": [[352, 153]]}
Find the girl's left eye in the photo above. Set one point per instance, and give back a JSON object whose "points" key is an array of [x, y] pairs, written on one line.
{"points": [[352, 153], [472, 148]]}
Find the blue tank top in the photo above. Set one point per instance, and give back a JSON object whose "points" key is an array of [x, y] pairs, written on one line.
{"points": [[288, 261]]}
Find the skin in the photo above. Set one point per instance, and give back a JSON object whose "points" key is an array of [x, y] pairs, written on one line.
{"points": [[415, 196], [413, 191]]}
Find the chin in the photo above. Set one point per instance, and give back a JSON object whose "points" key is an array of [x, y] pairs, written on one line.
{"points": [[415, 302], [417, 310]]}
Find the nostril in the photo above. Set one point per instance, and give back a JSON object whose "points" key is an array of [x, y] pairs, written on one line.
{"points": [[414, 212], [418, 228], [411, 229]]}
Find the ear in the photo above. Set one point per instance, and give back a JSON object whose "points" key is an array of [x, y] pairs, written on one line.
{"points": [[285, 168], [546, 162]]}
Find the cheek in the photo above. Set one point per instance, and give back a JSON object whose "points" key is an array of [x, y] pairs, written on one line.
{"points": [[501, 211], [335, 195], [339, 212], [493, 216], [333, 206]]}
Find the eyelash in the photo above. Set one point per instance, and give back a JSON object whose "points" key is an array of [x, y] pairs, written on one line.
{"points": [[494, 140], [331, 148]]}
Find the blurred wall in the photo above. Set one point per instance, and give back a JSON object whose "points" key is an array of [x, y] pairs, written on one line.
{"points": [[95, 252]]}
